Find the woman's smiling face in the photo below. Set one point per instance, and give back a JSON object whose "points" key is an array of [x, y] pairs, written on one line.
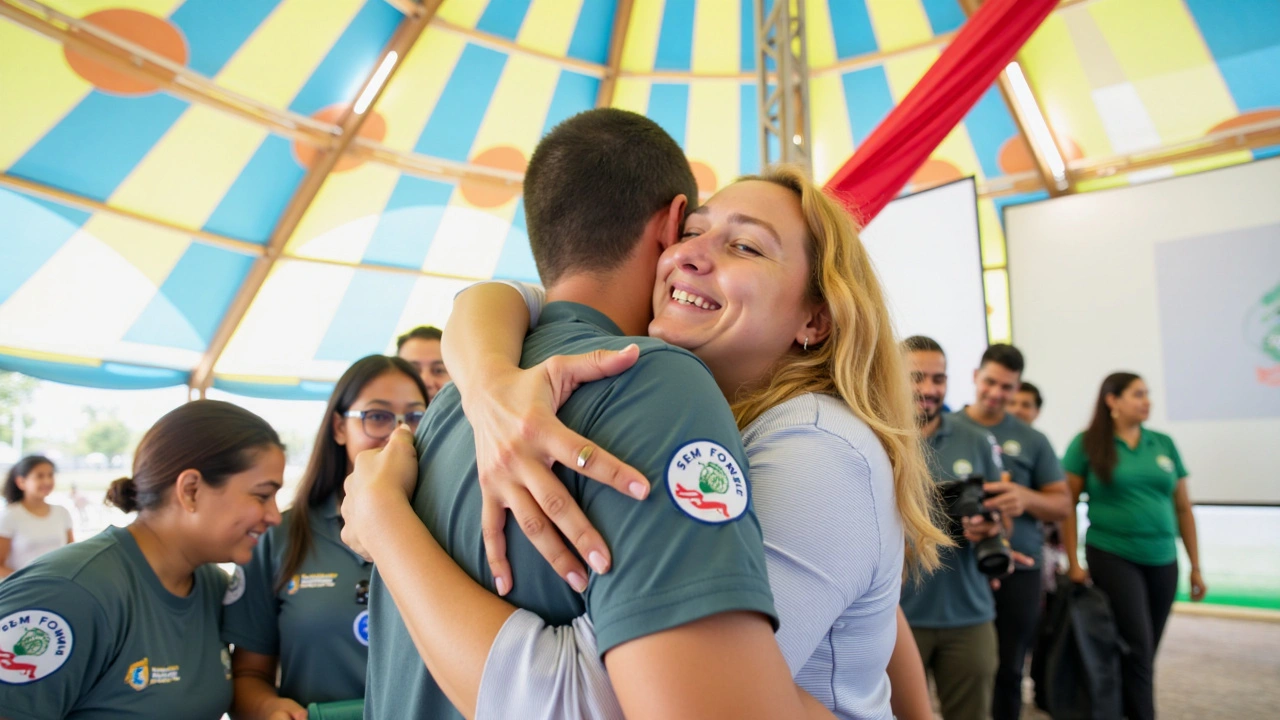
{"points": [[734, 289]]}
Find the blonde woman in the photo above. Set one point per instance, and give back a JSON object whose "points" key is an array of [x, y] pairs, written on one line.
{"points": [[838, 476]]}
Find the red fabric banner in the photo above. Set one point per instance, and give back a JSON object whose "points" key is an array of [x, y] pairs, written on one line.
{"points": [[895, 150]]}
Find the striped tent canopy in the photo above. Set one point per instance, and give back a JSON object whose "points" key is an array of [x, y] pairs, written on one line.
{"points": [[188, 198]]}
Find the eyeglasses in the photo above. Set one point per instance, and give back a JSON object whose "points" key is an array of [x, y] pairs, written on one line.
{"points": [[379, 424]]}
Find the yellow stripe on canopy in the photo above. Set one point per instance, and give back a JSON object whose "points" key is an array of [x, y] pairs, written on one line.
{"points": [[716, 37], [829, 122], [34, 70], [898, 23], [713, 129], [260, 70], [549, 25], [641, 45]]}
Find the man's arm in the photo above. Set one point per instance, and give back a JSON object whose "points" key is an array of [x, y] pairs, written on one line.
{"points": [[725, 665]]}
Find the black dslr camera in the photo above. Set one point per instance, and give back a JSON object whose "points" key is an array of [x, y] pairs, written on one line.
{"points": [[962, 499]]}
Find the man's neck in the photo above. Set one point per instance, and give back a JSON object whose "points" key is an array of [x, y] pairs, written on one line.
{"points": [[976, 414], [623, 300], [928, 429]]}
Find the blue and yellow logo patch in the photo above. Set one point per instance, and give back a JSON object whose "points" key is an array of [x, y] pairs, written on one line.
{"points": [[139, 675]]}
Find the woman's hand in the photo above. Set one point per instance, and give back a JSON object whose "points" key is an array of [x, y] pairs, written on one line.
{"points": [[519, 439], [380, 477], [1077, 574], [1198, 588]]}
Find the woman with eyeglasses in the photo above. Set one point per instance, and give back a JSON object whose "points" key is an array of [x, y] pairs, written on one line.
{"points": [[300, 605]]}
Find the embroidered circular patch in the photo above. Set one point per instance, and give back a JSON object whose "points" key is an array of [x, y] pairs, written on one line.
{"points": [[33, 645], [1165, 463], [235, 590], [1012, 448], [360, 628], [705, 482], [962, 468]]}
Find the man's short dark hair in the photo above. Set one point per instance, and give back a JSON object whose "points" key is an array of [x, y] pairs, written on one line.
{"points": [[1027, 387], [1006, 356], [592, 184], [422, 332], [922, 343]]}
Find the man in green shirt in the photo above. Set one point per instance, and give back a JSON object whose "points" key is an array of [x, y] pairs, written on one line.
{"points": [[605, 192], [1038, 492], [951, 611]]}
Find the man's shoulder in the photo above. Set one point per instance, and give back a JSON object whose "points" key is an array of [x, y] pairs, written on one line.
{"points": [[965, 430]]}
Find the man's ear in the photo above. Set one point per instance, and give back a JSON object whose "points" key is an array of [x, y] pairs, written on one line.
{"points": [[673, 222]]}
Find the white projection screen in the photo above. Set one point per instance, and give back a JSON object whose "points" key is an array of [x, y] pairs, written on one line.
{"points": [[1179, 281], [926, 249]]}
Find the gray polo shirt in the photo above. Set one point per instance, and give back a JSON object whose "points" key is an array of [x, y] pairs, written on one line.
{"points": [[1026, 453], [89, 632], [313, 624], [957, 594], [690, 550]]}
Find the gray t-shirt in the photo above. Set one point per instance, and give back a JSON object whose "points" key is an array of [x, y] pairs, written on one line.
{"points": [[88, 632], [690, 550], [1026, 453], [315, 624], [957, 594]]}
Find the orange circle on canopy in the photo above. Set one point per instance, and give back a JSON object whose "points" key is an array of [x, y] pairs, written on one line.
{"points": [[374, 128], [486, 193], [1244, 119], [935, 172], [153, 33], [706, 178], [1015, 156]]}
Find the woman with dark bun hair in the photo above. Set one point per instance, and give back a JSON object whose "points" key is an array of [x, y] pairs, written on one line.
{"points": [[126, 624]]}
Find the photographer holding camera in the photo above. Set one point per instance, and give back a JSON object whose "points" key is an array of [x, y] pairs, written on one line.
{"points": [[951, 611], [1038, 493]]}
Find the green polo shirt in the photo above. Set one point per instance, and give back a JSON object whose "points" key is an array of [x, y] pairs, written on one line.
{"points": [[957, 594], [690, 550], [89, 632], [1029, 458], [1133, 516], [313, 624]]}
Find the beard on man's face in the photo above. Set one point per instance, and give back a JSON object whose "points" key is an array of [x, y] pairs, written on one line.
{"points": [[926, 414]]}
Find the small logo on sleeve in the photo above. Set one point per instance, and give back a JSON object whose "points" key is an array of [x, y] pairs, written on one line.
{"points": [[235, 590], [1165, 463], [360, 628], [705, 482], [33, 645], [962, 468]]}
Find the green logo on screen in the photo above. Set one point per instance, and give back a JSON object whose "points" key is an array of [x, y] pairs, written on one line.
{"points": [[1262, 330]]}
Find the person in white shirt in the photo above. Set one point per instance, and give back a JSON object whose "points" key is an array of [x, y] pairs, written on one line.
{"points": [[30, 526]]}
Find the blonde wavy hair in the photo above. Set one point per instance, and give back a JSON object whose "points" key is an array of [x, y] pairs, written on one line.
{"points": [[860, 361]]}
